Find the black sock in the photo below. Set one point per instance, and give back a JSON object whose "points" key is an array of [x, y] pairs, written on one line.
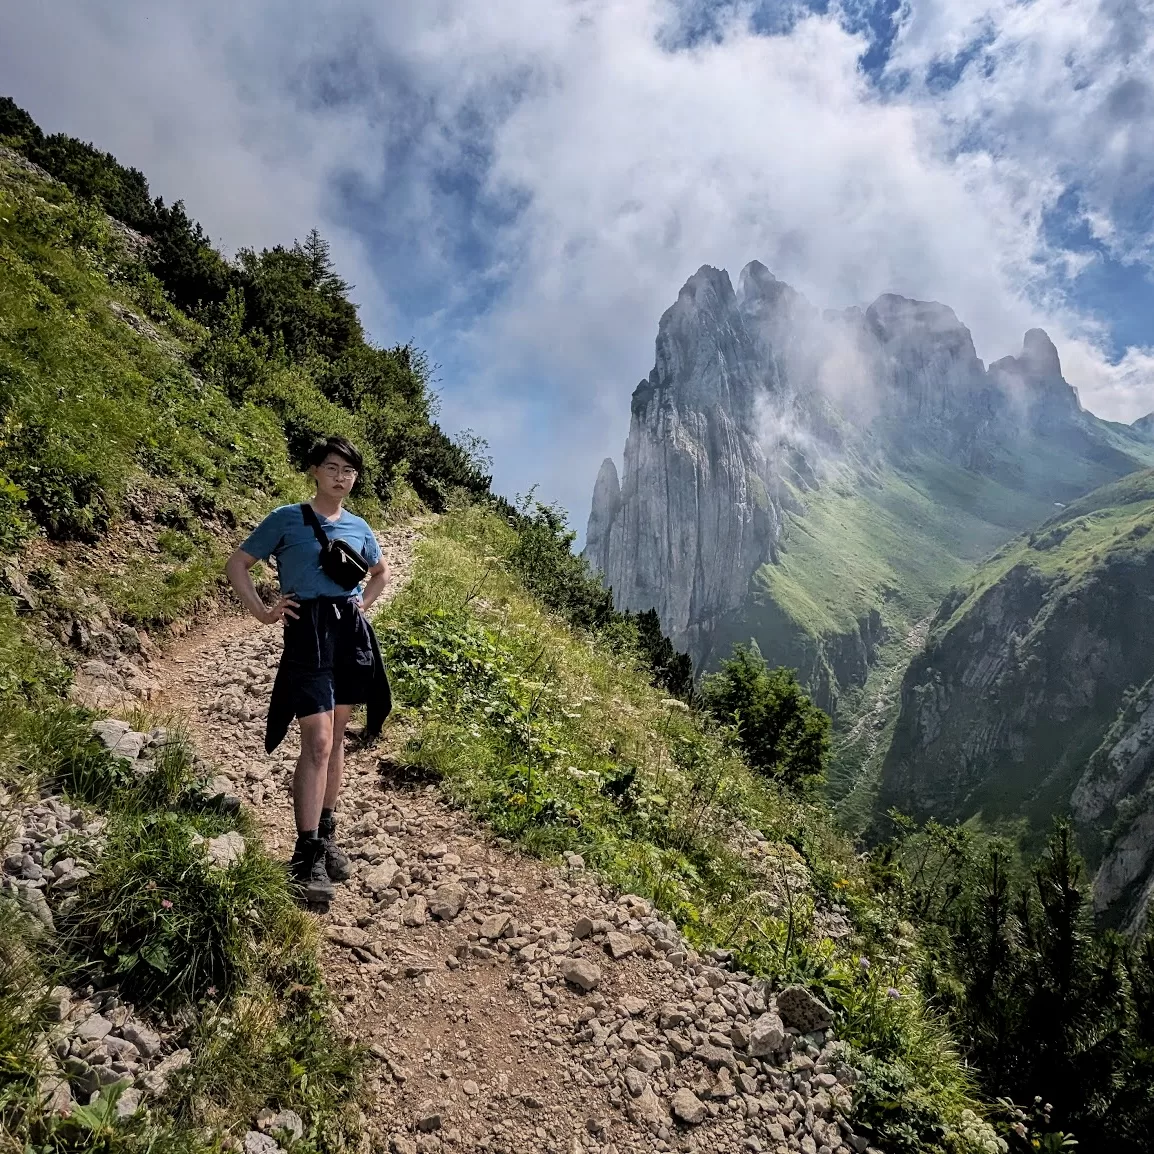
{"points": [[326, 816], [306, 835]]}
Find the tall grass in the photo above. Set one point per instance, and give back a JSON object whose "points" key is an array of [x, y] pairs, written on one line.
{"points": [[22, 1018]]}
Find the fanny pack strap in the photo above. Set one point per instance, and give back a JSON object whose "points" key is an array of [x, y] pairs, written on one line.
{"points": [[311, 520]]}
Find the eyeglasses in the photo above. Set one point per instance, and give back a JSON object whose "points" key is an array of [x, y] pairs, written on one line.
{"points": [[344, 472]]}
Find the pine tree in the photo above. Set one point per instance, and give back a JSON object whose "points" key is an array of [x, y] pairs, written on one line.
{"points": [[321, 275]]}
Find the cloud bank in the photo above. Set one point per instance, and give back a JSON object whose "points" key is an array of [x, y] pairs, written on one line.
{"points": [[523, 186]]}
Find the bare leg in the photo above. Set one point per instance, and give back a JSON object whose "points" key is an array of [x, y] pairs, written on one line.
{"points": [[336, 771], [312, 766]]}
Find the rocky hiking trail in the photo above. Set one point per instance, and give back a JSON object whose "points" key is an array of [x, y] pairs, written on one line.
{"points": [[508, 1005]]}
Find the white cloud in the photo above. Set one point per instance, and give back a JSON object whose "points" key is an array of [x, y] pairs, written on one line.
{"points": [[1121, 391], [614, 168], [1066, 87]]}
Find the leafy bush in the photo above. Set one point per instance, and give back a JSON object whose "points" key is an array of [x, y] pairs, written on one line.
{"points": [[15, 526], [30, 672], [172, 927], [544, 560], [783, 733]]}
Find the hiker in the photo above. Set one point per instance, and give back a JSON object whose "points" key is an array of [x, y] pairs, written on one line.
{"points": [[330, 661]]}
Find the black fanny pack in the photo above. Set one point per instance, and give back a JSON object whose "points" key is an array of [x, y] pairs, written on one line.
{"points": [[340, 562]]}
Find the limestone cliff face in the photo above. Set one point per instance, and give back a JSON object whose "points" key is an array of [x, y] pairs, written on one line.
{"points": [[693, 518], [1116, 794], [935, 386]]}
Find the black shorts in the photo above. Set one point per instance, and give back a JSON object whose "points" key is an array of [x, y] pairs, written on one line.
{"points": [[328, 656]]}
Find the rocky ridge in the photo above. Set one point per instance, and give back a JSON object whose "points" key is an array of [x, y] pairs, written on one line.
{"points": [[510, 1005], [758, 403]]}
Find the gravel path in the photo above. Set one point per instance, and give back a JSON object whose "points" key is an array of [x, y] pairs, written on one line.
{"points": [[511, 1006]]}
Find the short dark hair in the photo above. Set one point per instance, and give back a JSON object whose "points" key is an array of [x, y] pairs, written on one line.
{"points": [[342, 447]]}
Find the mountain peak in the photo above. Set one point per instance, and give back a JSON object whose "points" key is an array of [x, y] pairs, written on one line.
{"points": [[755, 280], [706, 281], [1144, 426], [892, 315], [1034, 378], [1039, 356]]}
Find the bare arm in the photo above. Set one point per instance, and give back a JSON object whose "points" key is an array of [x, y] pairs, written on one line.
{"points": [[378, 579], [236, 569]]}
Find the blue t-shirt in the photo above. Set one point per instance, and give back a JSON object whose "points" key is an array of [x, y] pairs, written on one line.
{"points": [[286, 536]]}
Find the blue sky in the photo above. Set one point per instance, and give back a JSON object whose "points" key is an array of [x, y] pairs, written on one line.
{"points": [[522, 186]]}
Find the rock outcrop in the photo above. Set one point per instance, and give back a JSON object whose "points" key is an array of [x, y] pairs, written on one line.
{"points": [[694, 517], [1116, 793]]}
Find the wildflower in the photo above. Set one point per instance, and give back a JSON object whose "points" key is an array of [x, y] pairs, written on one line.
{"points": [[166, 904], [211, 991], [864, 964], [893, 993]]}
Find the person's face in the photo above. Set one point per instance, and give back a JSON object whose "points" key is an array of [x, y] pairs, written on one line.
{"points": [[334, 476]]}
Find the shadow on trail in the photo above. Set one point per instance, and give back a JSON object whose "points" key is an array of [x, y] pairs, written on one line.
{"points": [[405, 777]]}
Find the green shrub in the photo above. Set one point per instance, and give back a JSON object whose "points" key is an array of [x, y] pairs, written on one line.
{"points": [[15, 526], [171, 927], [544, 560], [782, 732]]}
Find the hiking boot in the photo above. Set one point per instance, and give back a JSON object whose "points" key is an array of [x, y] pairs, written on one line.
{"points": [[307, 871], [337, 864]]}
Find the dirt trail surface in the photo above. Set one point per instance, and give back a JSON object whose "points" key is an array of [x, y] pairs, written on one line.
{"points": [[511, 1006]]}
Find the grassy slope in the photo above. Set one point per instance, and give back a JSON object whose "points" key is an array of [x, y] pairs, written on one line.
{"points": [[1081, 562], [895, 541], [1071, 543], [900, 538], [126, 435]]}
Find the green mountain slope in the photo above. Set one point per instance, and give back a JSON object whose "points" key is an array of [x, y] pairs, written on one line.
{"points": [[866, 559], [1028, 666]]}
